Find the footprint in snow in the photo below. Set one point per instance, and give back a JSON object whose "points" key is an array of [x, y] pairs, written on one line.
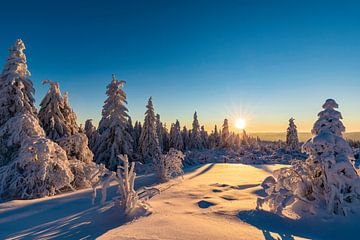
{"points": [[205, 204]]}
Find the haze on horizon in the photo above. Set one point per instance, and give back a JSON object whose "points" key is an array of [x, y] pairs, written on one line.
{"points": [[264, 61]]}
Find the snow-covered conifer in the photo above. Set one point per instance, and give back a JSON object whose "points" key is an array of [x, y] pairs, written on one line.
{"points": [[204, 137], [91, 133], [159, 131], [114, 138], [149, 142], [176, 140], [225, 135], [186, 138], [327, 180], [16, 89], [292, 140], [137, 133], [54, 115], [30, 164], [195, 138]]}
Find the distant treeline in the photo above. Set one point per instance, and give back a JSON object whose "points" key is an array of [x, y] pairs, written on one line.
{"points": [[303, 136]]}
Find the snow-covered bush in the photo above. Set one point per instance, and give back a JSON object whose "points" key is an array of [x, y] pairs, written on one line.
{"points": [[292, 140], [327, 180], [40, 169], [170, 165], [129, 199]]}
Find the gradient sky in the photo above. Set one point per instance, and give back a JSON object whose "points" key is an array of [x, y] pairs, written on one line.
{"points": [[265, 61]]}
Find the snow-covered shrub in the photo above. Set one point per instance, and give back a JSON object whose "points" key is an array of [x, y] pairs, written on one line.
{"points": [[40, 169], [292, 140], [129, 199], [170, 165], [327, 180]]}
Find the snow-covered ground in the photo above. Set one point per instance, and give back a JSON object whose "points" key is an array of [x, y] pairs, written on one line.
{"points": [[213, 201]]}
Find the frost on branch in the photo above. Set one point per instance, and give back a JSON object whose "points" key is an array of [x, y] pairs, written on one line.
{"points": [[129, 200], [170, 165], [327, 181]]}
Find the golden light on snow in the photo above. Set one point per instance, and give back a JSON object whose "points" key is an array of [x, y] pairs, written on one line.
{"points": [[240, 123]]}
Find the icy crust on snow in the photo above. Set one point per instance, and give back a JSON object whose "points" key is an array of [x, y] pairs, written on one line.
{"points": [[326, 183]]}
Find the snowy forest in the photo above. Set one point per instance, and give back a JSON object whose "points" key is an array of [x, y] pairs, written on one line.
{"points": [[47, 152]]}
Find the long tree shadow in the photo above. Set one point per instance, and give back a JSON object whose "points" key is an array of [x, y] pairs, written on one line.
{"points": [[68, 216], [206, 169], [312, 228]]}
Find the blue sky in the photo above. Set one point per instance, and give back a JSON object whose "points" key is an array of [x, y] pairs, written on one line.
{"points": [[265, 61]]}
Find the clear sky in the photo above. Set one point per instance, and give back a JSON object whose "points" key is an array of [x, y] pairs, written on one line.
{"points": [[265, 61]]}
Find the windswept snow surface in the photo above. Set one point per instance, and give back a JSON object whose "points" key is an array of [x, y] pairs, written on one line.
{"points": [[213, 201]]}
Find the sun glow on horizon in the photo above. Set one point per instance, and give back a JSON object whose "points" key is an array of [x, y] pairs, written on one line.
{"points": [[240, 123]]}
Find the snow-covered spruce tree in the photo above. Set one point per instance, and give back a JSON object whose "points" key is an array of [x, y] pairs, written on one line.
{"points": [[214, 139], [137, 133], [166, 139], [91, 133], [176, 140], [59, 122], [53, 115], [204, 137], [245, 141], [170, 165], [326, 181], [186, 138], [114, 138], [149, 142], [225, 135], [30, 164], [159, 131], [292, 140], [16, 89], [195, 138]]}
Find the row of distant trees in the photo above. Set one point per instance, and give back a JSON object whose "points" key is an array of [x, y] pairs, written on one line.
{"points": [[145, 142]]}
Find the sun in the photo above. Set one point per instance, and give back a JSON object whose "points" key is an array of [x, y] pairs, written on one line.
{"points": [[240, 123]]}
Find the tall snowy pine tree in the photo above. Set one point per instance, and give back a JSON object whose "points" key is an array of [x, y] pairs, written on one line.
{"points": [[30, 164], [149, 142], [292, 140], [114, 139]]}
